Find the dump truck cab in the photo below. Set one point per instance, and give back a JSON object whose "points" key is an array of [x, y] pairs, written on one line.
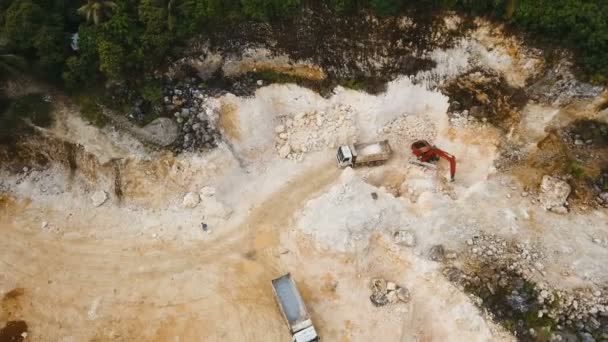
{"points": [[345, 156]]}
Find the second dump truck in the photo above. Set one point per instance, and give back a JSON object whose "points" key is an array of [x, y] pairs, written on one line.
{"points": [[293, 310], [364, 154]]}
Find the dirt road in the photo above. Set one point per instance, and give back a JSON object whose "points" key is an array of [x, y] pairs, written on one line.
{"points": [[129, 290]]}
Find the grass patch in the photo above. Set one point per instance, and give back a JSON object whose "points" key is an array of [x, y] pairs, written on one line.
{"points": [[152, 91], [355, 84], [21, 113], [575, 169]]}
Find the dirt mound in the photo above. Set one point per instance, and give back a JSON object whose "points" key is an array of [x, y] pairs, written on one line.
{"points": [[352, 214]]}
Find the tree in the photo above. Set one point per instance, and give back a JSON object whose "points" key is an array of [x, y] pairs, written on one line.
{"points": [[21, 22], [97, 10], [385, 7]]}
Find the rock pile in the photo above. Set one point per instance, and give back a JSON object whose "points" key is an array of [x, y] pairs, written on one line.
{"points": [[553, 194], [406, 129], [313, 131], [195, 115], [503, 282], [384, 292], [560, 86]]}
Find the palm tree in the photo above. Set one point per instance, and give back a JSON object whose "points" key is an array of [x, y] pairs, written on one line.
{"points": [[169, 7], [170, 15], [97, 10]]}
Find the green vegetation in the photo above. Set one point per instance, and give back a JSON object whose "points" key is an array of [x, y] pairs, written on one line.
{"points": [[24, 112], [125, 41], [91, 111], [575, 169], [356, 84]]}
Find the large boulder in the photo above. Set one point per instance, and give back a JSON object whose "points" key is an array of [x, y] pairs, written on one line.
{"points": [[553, 194], [405, 238], [191, 200], [162, 131], [99, 197]]}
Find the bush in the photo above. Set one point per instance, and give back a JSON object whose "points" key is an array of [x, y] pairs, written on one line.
{"points": [[91, 111], [152, 91]]}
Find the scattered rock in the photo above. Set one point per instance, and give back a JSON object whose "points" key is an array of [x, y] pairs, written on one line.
{"points": [[553, 194], [437, 253], [451, 255], [279, 129], [391, 296], [384, 292], [405, 238], [403, 294], [284, 151], [191, 200], [99, 198], [207, 191], [378, 285], [378, 299]]}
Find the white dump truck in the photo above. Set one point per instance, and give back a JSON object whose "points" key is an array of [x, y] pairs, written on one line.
{"points": [[364, 154], [293, 310]]}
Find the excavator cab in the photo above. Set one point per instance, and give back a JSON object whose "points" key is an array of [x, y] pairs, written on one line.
{"points": [[427, 153], [420, 147]]}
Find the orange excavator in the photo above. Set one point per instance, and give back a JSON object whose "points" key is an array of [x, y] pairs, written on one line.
{"points": [[428, 153]]}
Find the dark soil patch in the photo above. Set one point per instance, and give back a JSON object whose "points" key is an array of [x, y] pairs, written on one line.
{"points": [[486, 96], [247, 84], [14, 294], [38, 152], [349, 46], [590, 132], [12, 331], [22, 113]]}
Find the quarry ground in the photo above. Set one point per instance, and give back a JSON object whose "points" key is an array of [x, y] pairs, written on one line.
{"points": [[139, 267]]}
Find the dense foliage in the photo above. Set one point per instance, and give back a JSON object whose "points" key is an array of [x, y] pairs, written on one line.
{"points": [[127, 39]]}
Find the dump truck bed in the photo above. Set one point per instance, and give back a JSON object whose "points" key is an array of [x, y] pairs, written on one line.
{"points": [[371, 152], [291, 303]]}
